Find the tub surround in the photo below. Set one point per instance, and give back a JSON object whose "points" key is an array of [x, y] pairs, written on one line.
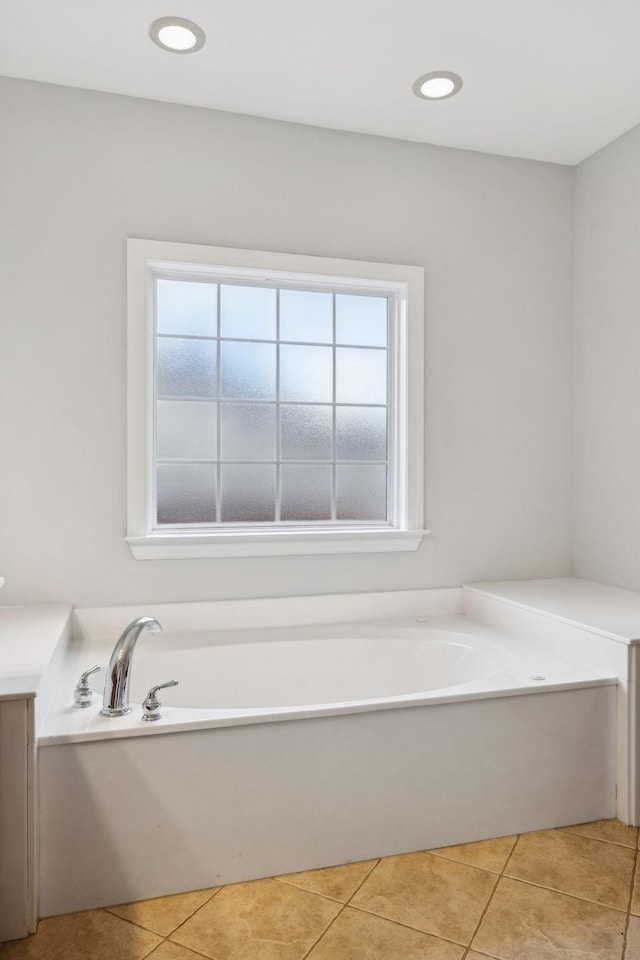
{"points": [[165, 814], [593, 623], [29, 637], [236, 796], [32, 647], [318, 658], [596, 607]]}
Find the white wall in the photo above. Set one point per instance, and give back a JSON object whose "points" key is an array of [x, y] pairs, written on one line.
{"points": [[81, 171], [607, 313]]}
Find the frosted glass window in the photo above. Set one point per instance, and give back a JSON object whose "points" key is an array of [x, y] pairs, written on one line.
{"points": [[361, 320], [247, 431], [273, 412], [248, 371], [186, 368], [361, 492], [186, 492], [248, 312], [306, 432], [361, 375], [306, 373], [187, 430], [306, 315], [305, 492], [361, 433], [186, 307], [248, 493]]}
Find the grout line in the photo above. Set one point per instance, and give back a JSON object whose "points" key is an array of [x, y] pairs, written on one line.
{"points": [[491, 895], [137, 923], [173, 943], [296, 886], [340, 912], [153, 949], [583, 836], [326, 930], [325, 896], [180, 925], [405, 926], [361, 885], [563, 893], [132, 923], [628, 920], [463, 863]]}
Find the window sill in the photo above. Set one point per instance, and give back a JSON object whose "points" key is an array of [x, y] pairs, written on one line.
{"points": [[288, 543]]}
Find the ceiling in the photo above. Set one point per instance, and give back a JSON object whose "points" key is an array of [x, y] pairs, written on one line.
{"points": [[550, 80]]}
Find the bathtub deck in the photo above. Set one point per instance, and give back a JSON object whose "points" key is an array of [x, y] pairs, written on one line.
{"points": [[504, 898]]}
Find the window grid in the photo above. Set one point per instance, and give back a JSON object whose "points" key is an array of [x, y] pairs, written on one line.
{"points": [[278, 403], [218, 409], [278, 505]]}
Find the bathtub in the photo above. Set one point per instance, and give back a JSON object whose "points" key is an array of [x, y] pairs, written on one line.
{"points": [[295, 747]]}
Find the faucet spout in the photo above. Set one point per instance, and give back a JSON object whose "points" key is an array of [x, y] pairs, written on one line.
{"points": [[115, 702]]}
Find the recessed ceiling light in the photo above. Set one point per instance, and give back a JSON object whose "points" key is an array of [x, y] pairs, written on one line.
{"points": [[437, 85], [177, 35]]}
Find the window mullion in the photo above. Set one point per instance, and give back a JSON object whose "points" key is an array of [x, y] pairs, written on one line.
{"points": [[333, 411], [278, 470], [218, 414]]}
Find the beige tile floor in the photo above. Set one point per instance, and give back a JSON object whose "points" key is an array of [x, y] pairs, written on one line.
{"points": [[566, 894]]}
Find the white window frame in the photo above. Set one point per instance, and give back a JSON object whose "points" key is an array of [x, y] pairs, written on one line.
{"points": [[149, 258]]}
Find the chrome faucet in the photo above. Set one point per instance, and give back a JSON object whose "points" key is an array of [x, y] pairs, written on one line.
{"points": [[116, 688]]}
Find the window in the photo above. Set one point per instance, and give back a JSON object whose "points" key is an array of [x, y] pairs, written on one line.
{"points": [[275, 403]]}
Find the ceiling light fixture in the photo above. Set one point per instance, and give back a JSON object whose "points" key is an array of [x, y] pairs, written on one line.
{"points": [[437, 85], [177, 35]]}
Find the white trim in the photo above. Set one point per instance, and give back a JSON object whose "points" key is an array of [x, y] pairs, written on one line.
{"points": [[279, 543], [149, 258]]}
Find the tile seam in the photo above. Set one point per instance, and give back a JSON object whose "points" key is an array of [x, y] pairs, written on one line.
{"points": [[131, 923], [315, 943], [492, 894], [464, 863], [137, 923], [364, 880], [196, 953], [573, 896], [584, 836], [344, 905], [325, 896], [629, 902], [180, 925], [405, 926]]}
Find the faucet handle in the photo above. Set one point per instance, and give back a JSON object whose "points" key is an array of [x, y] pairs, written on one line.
{"points": [[83, 693], [151, 705]]}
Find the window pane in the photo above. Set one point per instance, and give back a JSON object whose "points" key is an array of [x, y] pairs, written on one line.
{"points": [[306, 492], [247, 431], [361, 375], [248, 371], [248, 312], [361, 492], [361, 320], [361, 433], [186, 430], [248, 493], [186, 368], [306, 373], [186, 493], [306, 432], [305, 315], [186, 307]]}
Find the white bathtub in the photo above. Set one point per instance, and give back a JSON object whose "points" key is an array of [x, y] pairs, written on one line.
{"points": [[261, 675], [392, 736]]}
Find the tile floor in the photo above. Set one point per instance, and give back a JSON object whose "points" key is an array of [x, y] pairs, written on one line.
{"points": [[566, 894]]}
